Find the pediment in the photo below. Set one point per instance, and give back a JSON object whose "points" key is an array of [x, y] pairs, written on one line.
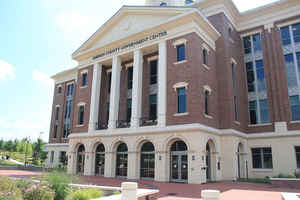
{"points": [[126, 22]]}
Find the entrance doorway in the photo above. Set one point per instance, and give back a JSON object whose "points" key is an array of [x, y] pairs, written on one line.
{"points": [[179, 162], [122, 160], [100, 160], [147, 161], [80, 159]]}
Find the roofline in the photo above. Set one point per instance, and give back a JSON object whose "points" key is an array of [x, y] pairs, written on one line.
{"points": [[55, 76], [124, 7], [263, 7]]}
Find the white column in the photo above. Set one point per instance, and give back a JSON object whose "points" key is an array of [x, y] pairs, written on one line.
{"points": [[137, 88], [114, 92], [162, 83], [95, 97]]}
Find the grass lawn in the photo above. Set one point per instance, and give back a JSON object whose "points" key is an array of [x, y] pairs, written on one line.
{"points": [[18, 156]]}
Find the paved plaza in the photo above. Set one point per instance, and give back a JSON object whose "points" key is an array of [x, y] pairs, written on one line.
{"points": [[176, 191]]}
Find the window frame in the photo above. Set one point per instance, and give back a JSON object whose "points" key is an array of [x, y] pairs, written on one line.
{"points": [[81, 114], [180, 99], [150, 107], [59, 89], [84, 79], [130, 78], [297, 153], [128, 110], [262, 155], [153, 76]]}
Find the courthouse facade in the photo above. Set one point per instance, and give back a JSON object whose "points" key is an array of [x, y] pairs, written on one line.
{"points": [[183, 91]]}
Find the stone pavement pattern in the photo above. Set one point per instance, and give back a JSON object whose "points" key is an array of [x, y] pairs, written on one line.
{"points": [[174, 191]]}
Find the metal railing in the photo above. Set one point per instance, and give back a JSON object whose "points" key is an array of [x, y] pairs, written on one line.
{"points": [[123, 124], [101, 125], [148, 122]]}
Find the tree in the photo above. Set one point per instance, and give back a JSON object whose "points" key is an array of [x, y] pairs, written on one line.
{"points": [[9, 146], [1, 144]]}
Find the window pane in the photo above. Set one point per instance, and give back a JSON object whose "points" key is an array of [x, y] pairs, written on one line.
{"points": [[247, 44], [181, 52], [285, 36], [267, 152], [296, 32], [264, 111], [206, 102], [250, 77], [295, 107], [235, 108], [256, 158], [257, 42], [290, 70], [204, 52], [298, 62], [253, 112], [84, 79], [153, 72], [130, 77], [81, 114], [129, 104], [181, 100], [260, 73]]}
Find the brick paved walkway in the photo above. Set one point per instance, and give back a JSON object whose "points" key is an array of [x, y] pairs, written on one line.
{"points": [[19, 173], [230, 190]]}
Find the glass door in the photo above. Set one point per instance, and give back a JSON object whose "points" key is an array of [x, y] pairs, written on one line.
{"points": [[80, 167], [100, 161], [179, 168], [122, 164], [184, 168], [175, 167]]}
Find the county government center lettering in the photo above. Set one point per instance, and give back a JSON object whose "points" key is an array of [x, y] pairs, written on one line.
{"points": [[132, 44]]}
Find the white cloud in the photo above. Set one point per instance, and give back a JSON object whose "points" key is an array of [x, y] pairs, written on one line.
{"points": [[6, 71], [42, 77]]}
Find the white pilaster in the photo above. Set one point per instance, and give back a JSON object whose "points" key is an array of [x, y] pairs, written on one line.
{"points": [[95, 97], [162, 83], [114, 92], [137, 88]]}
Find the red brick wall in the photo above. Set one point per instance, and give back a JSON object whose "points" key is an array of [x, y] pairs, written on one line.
{"points": [[83, 94], [196, 76]]}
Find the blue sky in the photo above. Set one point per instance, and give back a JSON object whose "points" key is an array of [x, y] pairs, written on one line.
{"points": [[37, 38]]}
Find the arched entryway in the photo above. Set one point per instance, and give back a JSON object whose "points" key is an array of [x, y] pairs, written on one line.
{"points": [[179, 162], [99, 160], [80, 159], [122, 160], [210, 161], [147, 161]]}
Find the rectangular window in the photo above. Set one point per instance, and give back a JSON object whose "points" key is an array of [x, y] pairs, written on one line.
{"points": [[180, 52], [264, 111], [55, 131], [109, 82], [84, 79], [59, 89], [297, 149], [235, 99], [233, 75], [260, 75], [252, 112], [81, 115], [262, 158], [290, 69], [70, 89], [230, 32], [153, 107], [181, 100], [153, 72], [295, 107], [256, 42], [296, 32], [130, 77], [68, 109], [56, 113], [128, 116], [206, 102], [247, 45], [250, 77], [285, 36], [52, 157], [204, 54], [67, 130]]}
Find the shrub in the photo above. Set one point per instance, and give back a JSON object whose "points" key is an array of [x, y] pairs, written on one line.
{"points": [[9, 190], [84, 194], [59, 182], [281, 175], [39, 192], [265, 180], [23, 184], [297, 174]]}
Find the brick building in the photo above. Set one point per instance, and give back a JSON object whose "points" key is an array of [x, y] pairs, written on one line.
{"points": [[183, 91]]}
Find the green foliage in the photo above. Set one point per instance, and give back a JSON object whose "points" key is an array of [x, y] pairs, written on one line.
{"points": [[59, 182], [39, 192], [297, 174], [265, 180], [84, 194], [23, 184], [9, 189]]}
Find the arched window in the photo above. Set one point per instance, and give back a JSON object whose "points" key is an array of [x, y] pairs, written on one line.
{"points": [[179, 162], [80, 159], [179, 146], [147, 160], [100, 160], [122, 160]]}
